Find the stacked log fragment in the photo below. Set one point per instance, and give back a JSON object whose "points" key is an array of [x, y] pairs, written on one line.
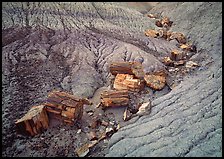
{"points": [[127, 82], [65, 106], [115, 98], [33, 122]]}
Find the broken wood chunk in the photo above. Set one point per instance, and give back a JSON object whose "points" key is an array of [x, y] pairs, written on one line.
{"points": [[165, 21], [188, 47], [152, 33], [108, 102], [177, 55], [33, 122], [132, 68], [127, 82], [179, 37], [167, 61], [155, 81]]}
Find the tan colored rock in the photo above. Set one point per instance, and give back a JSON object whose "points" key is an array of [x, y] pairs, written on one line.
{"points": [[152, 33], [167, 61], [156, 81], [177, 55], [165, 21], [180, 37]]}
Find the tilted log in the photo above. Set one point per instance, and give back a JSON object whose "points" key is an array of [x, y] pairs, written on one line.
{"points": [[114, 94], [132, 68], [127, 82], [33, 122]]}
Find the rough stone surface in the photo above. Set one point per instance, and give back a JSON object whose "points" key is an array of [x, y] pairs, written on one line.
{"points": [[68, 46]]}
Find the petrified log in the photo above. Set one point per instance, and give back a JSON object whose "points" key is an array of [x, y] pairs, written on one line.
{"points": [[114, 98], [156, 80], [66, 106], [33, 122], [132, 68], [127, 82]]}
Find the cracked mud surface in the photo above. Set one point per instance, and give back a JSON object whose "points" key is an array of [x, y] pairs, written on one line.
{"points": [[68, 46]]}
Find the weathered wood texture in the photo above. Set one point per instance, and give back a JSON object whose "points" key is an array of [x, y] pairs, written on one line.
{"points": [[65, 106], [114, 98], [33, 122], [132, 68], [127, 82]]}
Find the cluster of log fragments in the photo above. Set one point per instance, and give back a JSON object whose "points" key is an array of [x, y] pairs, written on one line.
{"points": [[61, 105], [180, 56], [129, 77]]}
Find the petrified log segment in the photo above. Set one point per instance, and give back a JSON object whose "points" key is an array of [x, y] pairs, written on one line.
{"points": [[132, 68], [33, 122], [65, 106], [127, 82], [115, 98]]}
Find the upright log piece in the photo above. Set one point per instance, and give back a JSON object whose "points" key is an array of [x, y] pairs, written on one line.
{"points": [[132, 68], [33, 122], [66, 105]]}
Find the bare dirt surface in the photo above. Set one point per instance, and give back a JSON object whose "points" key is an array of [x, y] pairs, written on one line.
{"points": [[68, 46]]}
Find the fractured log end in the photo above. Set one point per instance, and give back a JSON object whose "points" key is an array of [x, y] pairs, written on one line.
{"points": [[33, 122]]}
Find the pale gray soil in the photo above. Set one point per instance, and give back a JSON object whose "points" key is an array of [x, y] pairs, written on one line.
{"points": [[68, 46]]}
